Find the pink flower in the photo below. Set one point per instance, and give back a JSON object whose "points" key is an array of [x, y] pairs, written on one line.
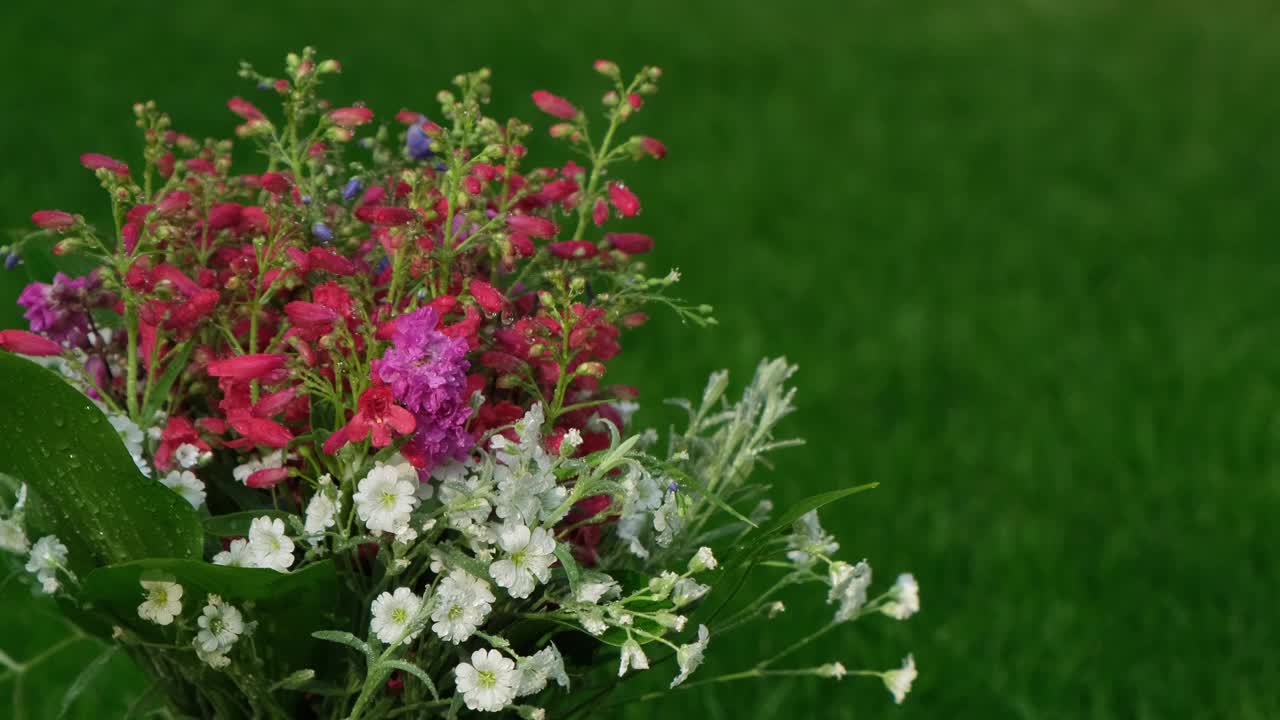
{"points": [[260, 431], [554, 105], [267, 477], [97, 161], [244, 109], [630, 243], [246, 367], [53, 219], [25, 343], [573, 249], [393, 216], [274, 183], [623, 199], [534, 226], [350, 117], [486, 296], [600, 212], [654, 147], [377, 415]]}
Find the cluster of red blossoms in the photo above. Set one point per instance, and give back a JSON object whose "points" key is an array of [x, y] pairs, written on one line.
{"points": [[413, 285]]}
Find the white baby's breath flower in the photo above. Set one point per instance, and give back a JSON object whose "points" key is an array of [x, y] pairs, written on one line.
{"points": [[163, 603], [533, 672], [215, 660], [385, 499], [395, 615], [595, 587], [12, 537], [849, 585], [904, 598], [667, 520], [702, 560], [899, 681], [269, 546], [462, 602], [528, 559], [236, 555], [808, 540], [48, 557], [186, 484], [488, 682], [21, 501], [220, 626], [632, 657], [322, 511], [571, 441], [687, 590], [592, 619], [689, 656], [187, 455]]}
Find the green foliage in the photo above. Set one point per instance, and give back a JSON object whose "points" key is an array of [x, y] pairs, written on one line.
{"points": [[86, 489]]}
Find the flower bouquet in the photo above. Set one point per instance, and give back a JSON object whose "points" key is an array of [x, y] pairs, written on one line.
{"points": [[333, 439]]}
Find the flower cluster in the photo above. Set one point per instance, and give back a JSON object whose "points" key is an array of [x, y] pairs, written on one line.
{"points": [[380, 361]]}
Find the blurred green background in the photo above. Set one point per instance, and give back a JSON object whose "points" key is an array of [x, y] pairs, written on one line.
{"points": [[1024, 251]]}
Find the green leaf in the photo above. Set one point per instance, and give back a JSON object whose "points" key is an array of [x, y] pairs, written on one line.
{"points": [[295, 680], [87, 676], [90, 493], [288, 607], [565, 553], [158, 393], [468, 563], [415, 671], [236, 524], [345, 638]]}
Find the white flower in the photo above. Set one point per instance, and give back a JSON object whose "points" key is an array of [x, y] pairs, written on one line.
{"points": [[626, 408], [689, 656], [849, 585], [186, 484], [808, 540], [632, 657], [834, 670], [322, 511], [592, 619], [269, 461], [596, 586], [528, 559], [21, 500], [488, 682], [128, 431], [899, 681], [163, 603], [904, 598], [394, 615], [667, 520], [187, 455], [48, 556], [462, 604], [702, 560], [525, 495], [687, 590], [571, 441], [269, 547], [533, 672], [235, 556], [215, 660], [385, 498], [12, 537], [220, 627]]}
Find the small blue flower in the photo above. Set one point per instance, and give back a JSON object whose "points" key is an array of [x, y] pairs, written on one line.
{"points": [[417, 143], [306, 199], [322, 232], [352, 189], [383, 264], [673, 487], [11, 261]]}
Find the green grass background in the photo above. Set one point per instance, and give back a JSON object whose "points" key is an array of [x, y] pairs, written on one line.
{"points": [[1024, 251]]}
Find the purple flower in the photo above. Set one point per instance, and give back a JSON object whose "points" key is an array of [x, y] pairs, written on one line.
{"points": [[417, 142], [60, 311], [322, 232], [427, 372], [352, 189]]}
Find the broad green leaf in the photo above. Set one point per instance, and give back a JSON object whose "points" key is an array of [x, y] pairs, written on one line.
{"points": [[236, 524], [415, 671], [158, 393], [87, 676], [288, 607], [90, 493]]}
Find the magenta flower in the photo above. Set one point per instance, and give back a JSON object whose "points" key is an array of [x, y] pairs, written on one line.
{"points": [[427, 372], [60, 310]]}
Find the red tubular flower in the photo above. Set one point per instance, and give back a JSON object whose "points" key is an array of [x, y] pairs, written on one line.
{"points": [[225, 215], [274, 183], [245, 109], [378, 416], [309, 314], [267, 478], [26, 343], [573, 249], [260, 431], [486, 296], [174, 202], [554, 105], [98, 161], [521, 244], [393, 215], [200, 165], [623, 199], [246, 367], [655, 148], [53, 219], [350, 117], [533, 226], [630, 243], [177, 431], [600, 212]]}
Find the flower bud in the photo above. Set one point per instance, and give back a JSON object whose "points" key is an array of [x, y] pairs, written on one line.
{"points": [[606, 68]]}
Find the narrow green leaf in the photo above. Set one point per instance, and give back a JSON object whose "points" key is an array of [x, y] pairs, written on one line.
{"points": [[87, 676], [85, 487], [158, 393], [468, 563], [345, 638], [755, 539], [417, 672], [565, 553], [295, 680]]}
